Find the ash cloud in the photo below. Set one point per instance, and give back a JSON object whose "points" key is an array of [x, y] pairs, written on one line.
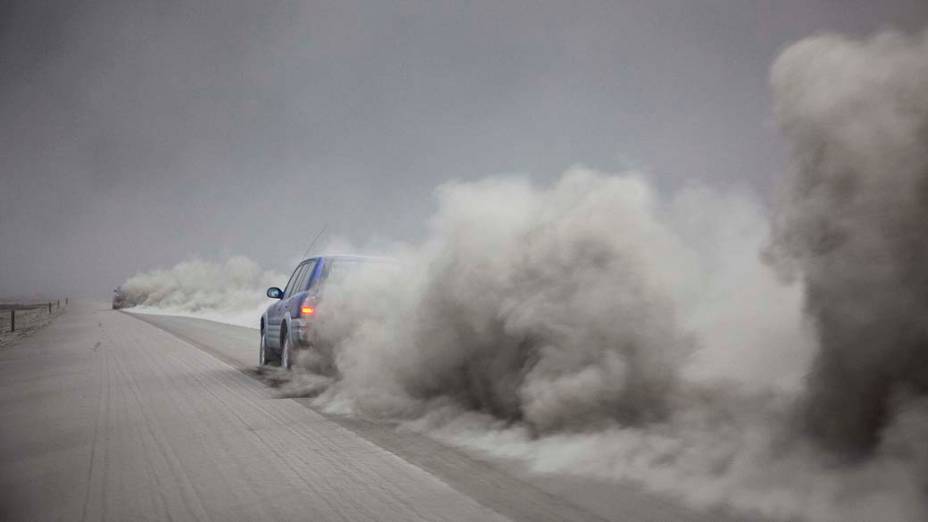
{"points": [[591, 326], [532, 304], [231, 291], [852, 225]]}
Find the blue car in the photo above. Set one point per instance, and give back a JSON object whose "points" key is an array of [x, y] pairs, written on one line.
{"points": [[286, 326]]}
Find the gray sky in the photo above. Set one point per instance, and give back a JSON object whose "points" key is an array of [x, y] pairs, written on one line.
{"points": [[137, 134]]}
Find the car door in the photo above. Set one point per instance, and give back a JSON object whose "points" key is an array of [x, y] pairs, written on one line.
{"points": [[295, 292], [294, 295], [275, 314]]}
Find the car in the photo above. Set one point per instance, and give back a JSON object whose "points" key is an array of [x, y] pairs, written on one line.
{"points": [[119, 298], [286, 325]]}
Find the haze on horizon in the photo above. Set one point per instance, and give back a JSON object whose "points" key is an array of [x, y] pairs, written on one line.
{"points": [[137, 135]]}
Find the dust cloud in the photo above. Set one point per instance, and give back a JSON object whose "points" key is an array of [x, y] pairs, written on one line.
{"points": [[852, 225], [589, 326], [231, 292], [566, 307]]}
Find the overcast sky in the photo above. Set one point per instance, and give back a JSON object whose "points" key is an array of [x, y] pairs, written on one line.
{"points": [[137, 134]]}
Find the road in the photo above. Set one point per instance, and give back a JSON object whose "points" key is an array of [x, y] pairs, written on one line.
{"points": [[112, 416]]}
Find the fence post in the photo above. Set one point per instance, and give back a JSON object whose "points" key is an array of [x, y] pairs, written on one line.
{"points": [[12, 319], [58, 304], [66, 301], [49, 307]]}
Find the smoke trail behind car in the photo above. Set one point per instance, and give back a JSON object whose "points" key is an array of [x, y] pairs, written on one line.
{"points": [[230, 292]]}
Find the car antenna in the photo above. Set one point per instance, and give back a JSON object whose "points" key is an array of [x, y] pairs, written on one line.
{"points": [[313, 242]]}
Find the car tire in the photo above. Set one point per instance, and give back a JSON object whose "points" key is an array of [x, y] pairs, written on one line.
{"points": [[265, 355], [286, 352], [262, 350]]}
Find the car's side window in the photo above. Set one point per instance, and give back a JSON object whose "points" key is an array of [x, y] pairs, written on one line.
{"points": [[293, 280], [304, 277], [320, 277]]}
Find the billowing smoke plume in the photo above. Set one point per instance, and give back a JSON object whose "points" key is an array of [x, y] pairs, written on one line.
{"points": [[529, 303], [568, 307], [231, 292], [854, 224], [589, 326]]}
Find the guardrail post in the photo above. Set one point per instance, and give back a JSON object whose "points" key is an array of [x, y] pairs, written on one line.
{"points": [[12, 319]]}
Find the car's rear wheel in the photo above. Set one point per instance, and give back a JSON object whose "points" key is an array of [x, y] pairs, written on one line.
{"points": [[286, 352], [265, 356]]}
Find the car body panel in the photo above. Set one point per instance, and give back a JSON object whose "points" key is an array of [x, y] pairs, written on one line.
{"points": [[279, 313]]}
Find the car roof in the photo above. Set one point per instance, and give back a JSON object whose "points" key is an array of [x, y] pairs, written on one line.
{"points": [[350, 257]]}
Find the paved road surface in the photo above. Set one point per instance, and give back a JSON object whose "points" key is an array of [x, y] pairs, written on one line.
{"points": [[106, 416]]}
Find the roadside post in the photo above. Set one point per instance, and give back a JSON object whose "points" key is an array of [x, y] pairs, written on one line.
{"points": [[12, 319], [49, 307]]}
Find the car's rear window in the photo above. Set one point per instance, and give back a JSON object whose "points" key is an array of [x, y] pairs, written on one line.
{"points": [[338, 270]]}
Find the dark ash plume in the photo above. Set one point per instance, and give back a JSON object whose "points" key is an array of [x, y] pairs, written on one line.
{"points": [[853, 224]]}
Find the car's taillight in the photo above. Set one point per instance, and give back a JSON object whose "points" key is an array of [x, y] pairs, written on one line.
{"points": [[308, 308]]}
